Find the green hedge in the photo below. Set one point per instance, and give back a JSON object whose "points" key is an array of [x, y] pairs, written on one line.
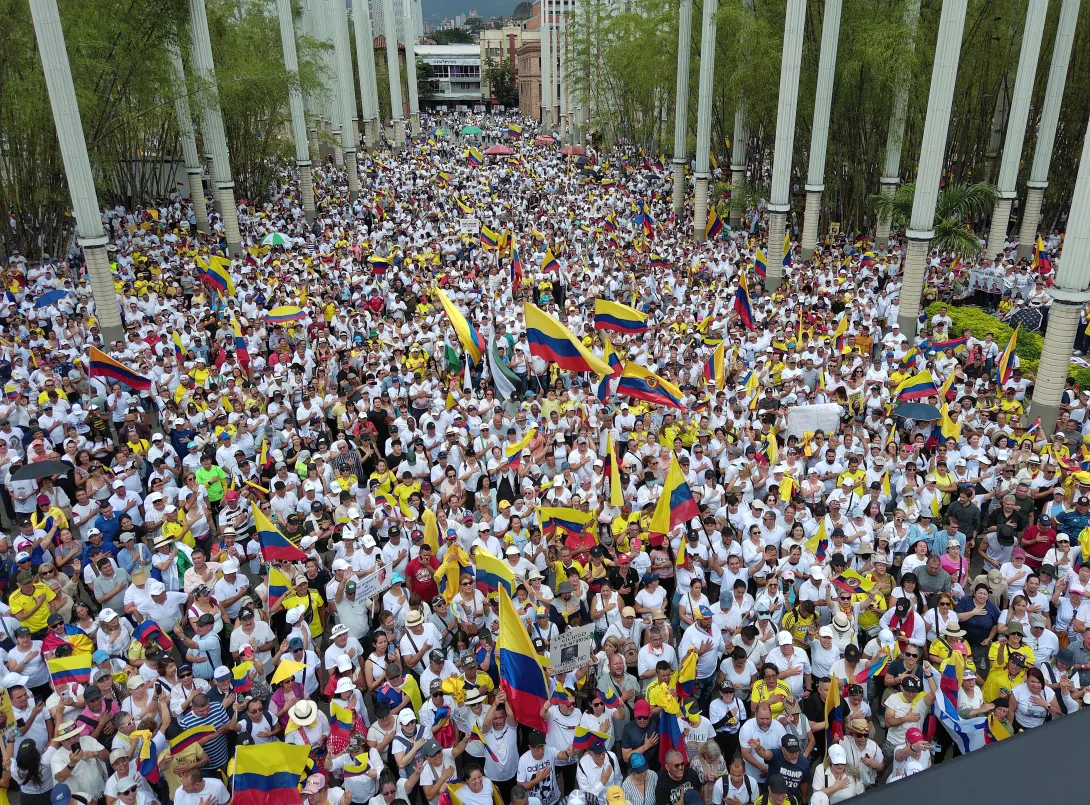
{"points": [[1029, 345]]}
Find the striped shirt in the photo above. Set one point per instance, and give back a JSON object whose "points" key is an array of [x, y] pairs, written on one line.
{"points": [[215, 748]]}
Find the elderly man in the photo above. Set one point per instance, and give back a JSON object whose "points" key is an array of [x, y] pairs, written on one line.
{"points": [[78, 760]]}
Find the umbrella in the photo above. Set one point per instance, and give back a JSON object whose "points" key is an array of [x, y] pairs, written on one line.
{"points": [[498, 150], [471, 130], [572, 150], [276, 239], [543, 139], [921, 412], [49, 297], [284, 313], [441, 133], [41, 469]]}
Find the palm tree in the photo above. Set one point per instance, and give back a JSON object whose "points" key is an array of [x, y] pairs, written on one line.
{"points": [[958, 205]]}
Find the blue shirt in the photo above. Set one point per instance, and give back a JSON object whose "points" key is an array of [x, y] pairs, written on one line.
{"points": [[109, 528], [978, 627], [107, 547]]}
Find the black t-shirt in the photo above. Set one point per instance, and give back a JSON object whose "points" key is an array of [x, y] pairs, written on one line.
{"points": [[670, 791], [794, 774]]}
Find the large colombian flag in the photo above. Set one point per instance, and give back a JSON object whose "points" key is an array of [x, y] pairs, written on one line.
{"points": [[102, 365], [618, 318], [492, 574], [742, 303], [643, 384], [521, 675], [469, 337], [64, 670], [563, 518], [676, 504], [274, 545], [269, 773], [552, 341], [215, 272]]}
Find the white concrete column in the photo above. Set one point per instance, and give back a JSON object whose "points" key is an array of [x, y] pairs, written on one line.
{"points": [[298, 115], [546, 65], [891, 173], [704, 117], [365, 62], [681, 102], [562, 78], [999, 120], [1016, 124], [189, 141], [326, 32], [393, 65], [212, 125], [819, 132], [780, 202], [932, 155], [347, 86], [410, 66], [77, 166], [738, 161], [1046, 129]]}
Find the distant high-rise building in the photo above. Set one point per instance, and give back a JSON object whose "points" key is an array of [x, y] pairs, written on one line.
{"points": [[460, 21]]}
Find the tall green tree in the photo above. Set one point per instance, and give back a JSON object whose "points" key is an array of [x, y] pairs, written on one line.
{"points": [[502, 81]]}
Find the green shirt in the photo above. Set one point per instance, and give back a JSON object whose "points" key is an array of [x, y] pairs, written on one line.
{"points": [[212, 478]]}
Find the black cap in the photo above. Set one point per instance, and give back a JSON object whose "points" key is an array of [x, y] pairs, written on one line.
{"points": [[55, 618], [790, 743], [912, 683], [537, 738], [851, 652]]}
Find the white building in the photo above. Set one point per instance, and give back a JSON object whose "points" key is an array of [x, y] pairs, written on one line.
{"points": [[457, 71]]}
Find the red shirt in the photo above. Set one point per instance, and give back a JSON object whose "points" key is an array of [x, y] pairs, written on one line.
{"points": [[1035, 551], [421, 578]]}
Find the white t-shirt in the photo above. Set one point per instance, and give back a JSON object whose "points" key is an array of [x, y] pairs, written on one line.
{"points": [[547, 790], [1028, 714], [212, 788], [746, 791], [505, 747], [429, 774]]}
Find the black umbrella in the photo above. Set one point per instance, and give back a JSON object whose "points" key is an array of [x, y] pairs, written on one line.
{"points": [[41, 469]]}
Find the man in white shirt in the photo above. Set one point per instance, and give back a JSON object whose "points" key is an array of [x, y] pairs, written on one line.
{"points": [[198, 790], [793, 665]]}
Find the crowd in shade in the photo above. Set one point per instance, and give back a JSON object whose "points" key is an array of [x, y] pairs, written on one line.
{"points": [[495, 485]]}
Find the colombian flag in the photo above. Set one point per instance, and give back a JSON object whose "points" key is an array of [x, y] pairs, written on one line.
{"points": [[612, 358], [274, 545], [834, 716], [517, 266], [714, 371], [852, 582], [956, 344], [1005, 364], [613, 473], [242, 350], [149, 755], [179, 347], [340, 718], [618, 318], [240, 678], [742, 301], [839, 333], [215, 273], [676, 504], [493, 573], [877, 666], [514, 129], [686, 674], [180, 742], [760, 265], [585, 738], [514, 451], [102, 365], [268, 774], [657, 262], [489, 239], [714, 226], [475, 157], [521, 675], [643, 384], [1041, 261], [74, 668], [471, 340], [564, 518], [552, 341], [548, 262], [916, 387]]}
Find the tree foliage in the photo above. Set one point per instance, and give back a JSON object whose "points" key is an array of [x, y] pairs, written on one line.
{"points": [[626, 64], [958, 207], [451, 36], [503, 81]]}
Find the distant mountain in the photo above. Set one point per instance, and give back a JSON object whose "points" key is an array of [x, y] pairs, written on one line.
{"points": [[437, 10]]}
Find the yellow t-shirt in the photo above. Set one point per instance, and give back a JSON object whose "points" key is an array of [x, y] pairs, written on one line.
{"points": [[385, 480], [313, 601], [760, 693], [20, 603], [174, 530]]}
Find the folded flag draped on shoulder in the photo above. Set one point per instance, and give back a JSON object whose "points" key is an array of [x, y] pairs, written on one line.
{"points": [[468, 336], [274, 545], [643, 384], [521, 675], [447, 574], [102, 365], [553, 342], [148, 631], [1004, 367], [493, 573], [618, 318], [65, 670], [269, 774], [563, 518], [916, 387], [742, 304], [675, 504], [186, 738]]}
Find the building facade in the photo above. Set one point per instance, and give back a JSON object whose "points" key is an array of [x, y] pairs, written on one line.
{"points": [[457, 74]]}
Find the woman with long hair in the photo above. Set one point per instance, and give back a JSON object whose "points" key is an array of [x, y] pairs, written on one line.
{"points": [[34, 778]]}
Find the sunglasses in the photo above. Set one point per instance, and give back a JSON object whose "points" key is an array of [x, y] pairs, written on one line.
{"points": [[185, 675], [912, 656]]}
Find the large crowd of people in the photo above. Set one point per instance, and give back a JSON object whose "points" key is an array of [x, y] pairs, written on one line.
{"points": [[834, 578]]}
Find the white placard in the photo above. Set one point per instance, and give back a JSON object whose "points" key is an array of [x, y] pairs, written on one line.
{"points": [[376, 582], [801, 418], [571, 649], [469, 226]]}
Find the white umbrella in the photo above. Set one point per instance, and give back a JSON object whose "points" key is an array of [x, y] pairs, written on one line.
{"points": [[276, 239]]}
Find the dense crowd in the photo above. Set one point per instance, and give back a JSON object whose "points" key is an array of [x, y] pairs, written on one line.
{"points": [[801, 629]]}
